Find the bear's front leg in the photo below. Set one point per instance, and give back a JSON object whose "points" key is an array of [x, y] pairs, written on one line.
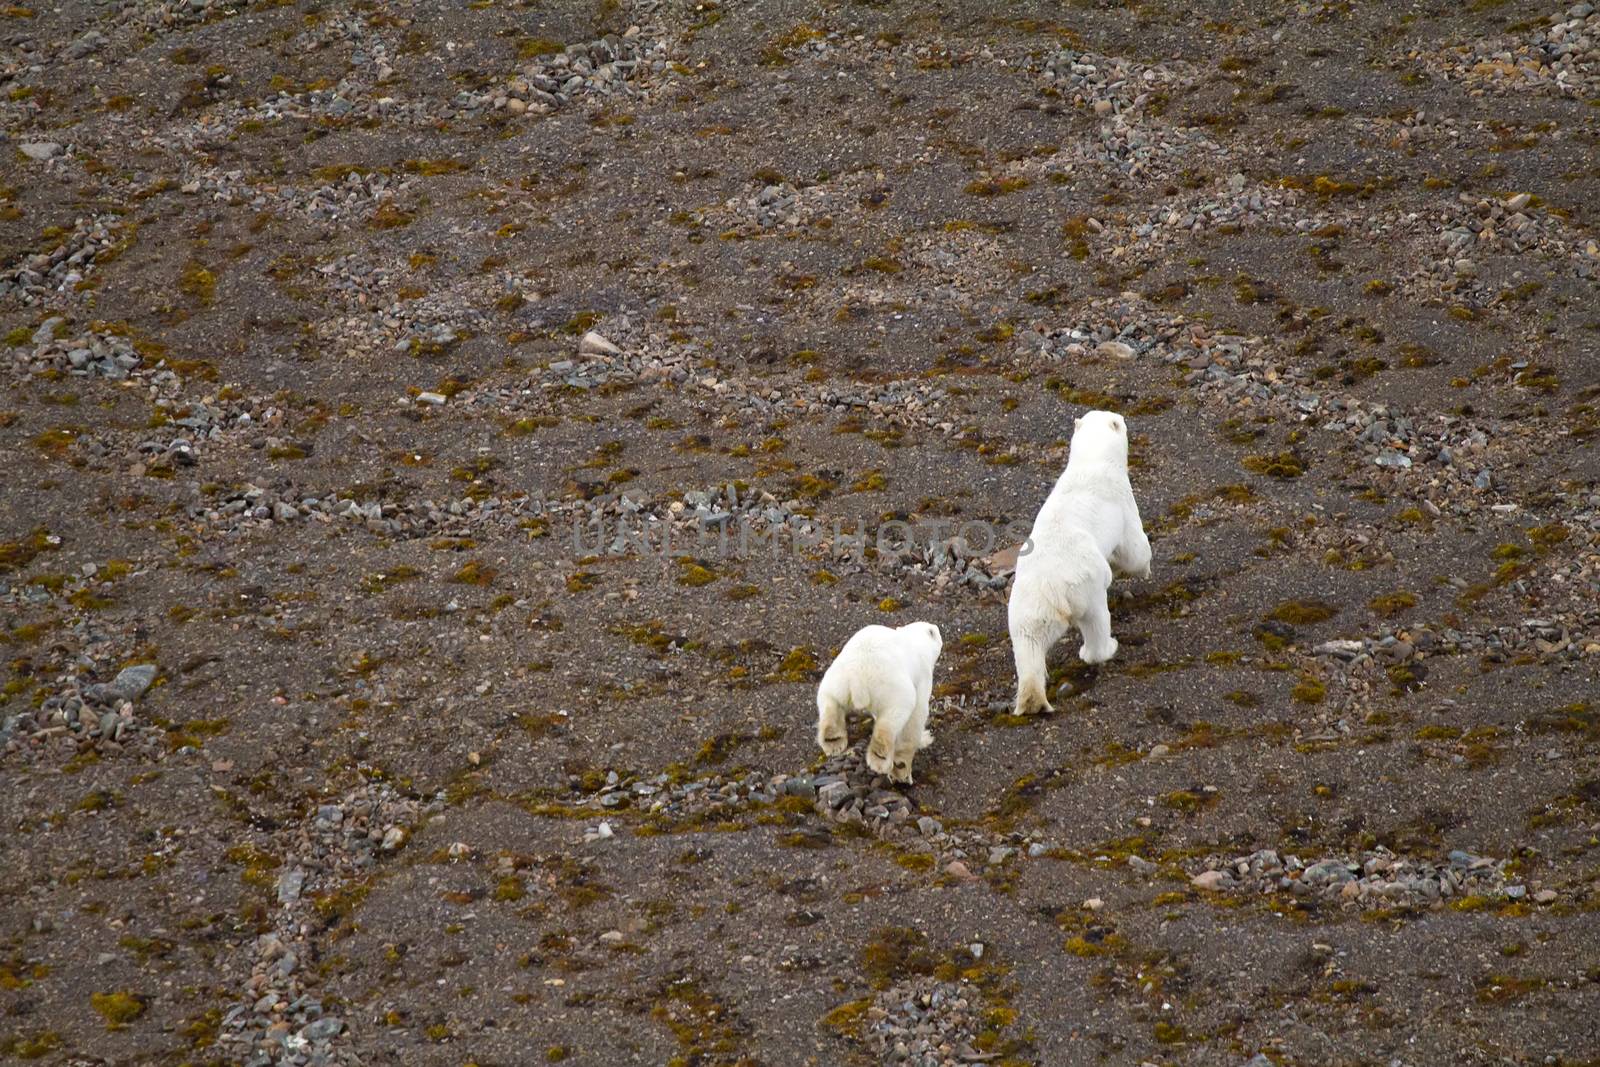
{"points": [[832, 736], [1133, 555]]}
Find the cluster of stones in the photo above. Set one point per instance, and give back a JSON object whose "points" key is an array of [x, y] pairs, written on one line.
{"points": [[925, 1022], [1472, 227], [92, 354], [1562, 57], [358, 282], [355, 192], [1568, 639], [843, 791], [1238, 371], [344, 102], [1377, 879], [1107, 85], [1241, 204], [644, 359], [775, 205], [280, 1021], [612, 67], [435, 337], [1446, 241], [35, 277], [165, 16], [1117, 91], [712, 795], [96, 353], [251, 504], [847, 791], [718, 516], [98, 715]]}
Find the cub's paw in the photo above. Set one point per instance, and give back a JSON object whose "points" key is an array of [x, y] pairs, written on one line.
{"points": [[832, 746], [901, 773], [880, 761], [926, 739]]}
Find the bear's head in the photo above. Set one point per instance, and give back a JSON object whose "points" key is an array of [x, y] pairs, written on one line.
{"points": [[929, 633], [1100, 437]]}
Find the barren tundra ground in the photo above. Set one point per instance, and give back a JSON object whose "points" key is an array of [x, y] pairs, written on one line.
{"points": [[321, 743]]}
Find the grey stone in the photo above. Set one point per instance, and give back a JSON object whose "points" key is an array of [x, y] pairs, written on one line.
{"points": [[833, 794], [40, 151], [130, 684], [290, 883], [1327, 871], [47, 329], [88, 44]]}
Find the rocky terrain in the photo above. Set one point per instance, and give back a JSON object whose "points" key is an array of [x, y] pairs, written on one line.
{"points": [[444, 442]]}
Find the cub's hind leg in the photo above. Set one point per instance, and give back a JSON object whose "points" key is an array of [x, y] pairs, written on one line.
{"points": [[891, 720], [913, 736]]}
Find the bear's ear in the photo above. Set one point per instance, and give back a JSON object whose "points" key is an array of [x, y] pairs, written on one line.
{"points": [[1119, 424], [1077, 422]]}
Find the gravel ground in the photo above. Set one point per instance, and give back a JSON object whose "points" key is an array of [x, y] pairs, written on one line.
{"points": [[445, 442]]}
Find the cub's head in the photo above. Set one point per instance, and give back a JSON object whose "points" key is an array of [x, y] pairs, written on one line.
{"points": [[1099, 435]]}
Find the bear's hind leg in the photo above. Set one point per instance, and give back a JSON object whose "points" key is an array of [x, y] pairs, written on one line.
{"points": [[1030, 645], [886, 730]]}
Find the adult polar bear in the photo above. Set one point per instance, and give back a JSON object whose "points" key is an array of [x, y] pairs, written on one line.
{"points": [[889, 674], [1089, 525]]}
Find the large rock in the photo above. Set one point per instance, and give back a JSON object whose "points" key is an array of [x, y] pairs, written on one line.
{"points": [[130, 684], [595, 343]]}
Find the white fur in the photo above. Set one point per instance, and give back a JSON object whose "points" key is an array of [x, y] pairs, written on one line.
{"points": [[1088, 526], [887, 673]]}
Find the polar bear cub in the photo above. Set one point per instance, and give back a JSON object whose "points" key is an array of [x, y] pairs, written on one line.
{"points": [[1088, 526], [888, 673]]}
